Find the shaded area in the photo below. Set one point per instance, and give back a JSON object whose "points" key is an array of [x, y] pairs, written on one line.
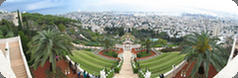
{"points": [[40, 72], [186, 71]]}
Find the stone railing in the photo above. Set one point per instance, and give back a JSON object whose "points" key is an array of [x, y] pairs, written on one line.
{"points": [[78, 68], [9, 39], [175, 70], [233, 48], [91, 75], [83, 46], [24, 59], [157, 52]]}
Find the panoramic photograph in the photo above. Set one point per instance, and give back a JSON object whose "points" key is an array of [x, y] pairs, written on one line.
{"points": [[118, 39]]}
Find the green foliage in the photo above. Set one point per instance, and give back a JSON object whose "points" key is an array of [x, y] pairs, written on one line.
{"points": [[47, 45], [62, 28], [115, 30], [19, 20], [144, 33], [143, 54], [24, 39], [111, 53], [135, 68], [1, 34], [9, 34], [7, 29], [47, 19], [147, 44], [117, 70], [140, 75], [162, 42], [107, 44], [170, 49], [110, 75], [204, 51]]}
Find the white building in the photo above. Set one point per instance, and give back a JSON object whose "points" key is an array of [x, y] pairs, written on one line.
{"points": [[12, 17]]}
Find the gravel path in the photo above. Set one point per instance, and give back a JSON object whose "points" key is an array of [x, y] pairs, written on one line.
{"points": [[126, 70]]}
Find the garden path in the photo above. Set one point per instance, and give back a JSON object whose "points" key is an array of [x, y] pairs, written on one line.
{"points": [[126, 69]]}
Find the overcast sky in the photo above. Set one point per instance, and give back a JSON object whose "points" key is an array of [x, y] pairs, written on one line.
{"points": [[63, 6]]}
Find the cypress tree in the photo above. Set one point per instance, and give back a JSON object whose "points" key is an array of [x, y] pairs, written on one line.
{"points": [[19, 20]]}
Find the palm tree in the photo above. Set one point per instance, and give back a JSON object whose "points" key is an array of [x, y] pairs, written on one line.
{"points": [[49, 45], [147, 44], [162, 42], [204, 51], [107, 43]]}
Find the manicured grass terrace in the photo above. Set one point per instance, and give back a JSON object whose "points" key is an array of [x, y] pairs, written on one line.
{"points": [[90, 62], [162, 63]]}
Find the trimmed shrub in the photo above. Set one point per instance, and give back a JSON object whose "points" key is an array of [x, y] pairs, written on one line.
{"points": [[117, 70], [143, 54], [170, 49], [111, 53], [141, 75]]}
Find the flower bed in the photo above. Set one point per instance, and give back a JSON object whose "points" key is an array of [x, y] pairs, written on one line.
{"points": [[110, 54], [141, 54]]}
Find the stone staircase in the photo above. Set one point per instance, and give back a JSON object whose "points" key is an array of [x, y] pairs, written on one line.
{"points": [[17, 62]]}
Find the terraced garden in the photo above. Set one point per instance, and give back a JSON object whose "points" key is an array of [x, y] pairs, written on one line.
{"points": [[162, 63], [91, 62]]}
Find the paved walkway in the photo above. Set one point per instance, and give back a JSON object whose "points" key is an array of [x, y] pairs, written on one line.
{"points": [[126, 70]]}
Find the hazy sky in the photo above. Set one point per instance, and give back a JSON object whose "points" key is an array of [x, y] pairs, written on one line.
{"points": [[63, 6]]}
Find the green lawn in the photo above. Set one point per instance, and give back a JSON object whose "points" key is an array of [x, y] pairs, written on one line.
{"points": [[162, 63], [91, 62]]}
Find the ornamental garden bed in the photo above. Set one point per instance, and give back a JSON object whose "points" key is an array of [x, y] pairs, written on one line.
{"points": [[112, 54], [142, 54]]}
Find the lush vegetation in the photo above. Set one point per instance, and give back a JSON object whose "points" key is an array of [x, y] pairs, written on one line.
{"points": [[91, 62], [204, 51], [143, 54], [170, 49], [143, 33], [147, 44], [47, 46], [111, 53], [7, 29], [162, 63], [35, 31]]}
